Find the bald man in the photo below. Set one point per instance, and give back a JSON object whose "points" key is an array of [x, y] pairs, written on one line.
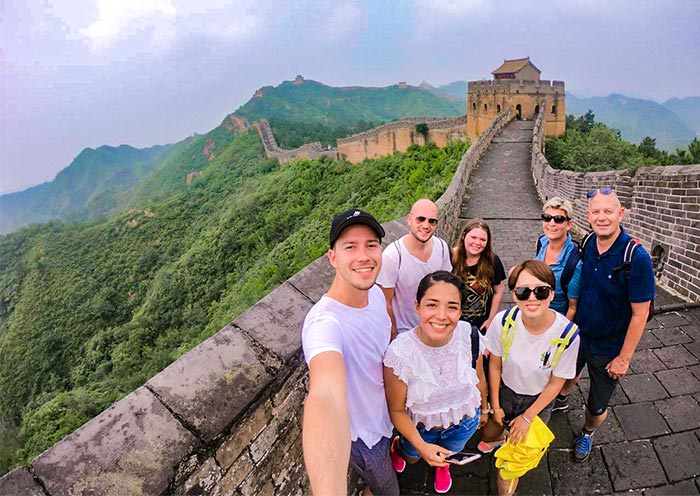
{"points": [[407, 260]]}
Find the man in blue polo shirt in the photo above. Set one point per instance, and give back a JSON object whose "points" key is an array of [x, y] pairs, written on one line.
{"points": [[612, 311]]}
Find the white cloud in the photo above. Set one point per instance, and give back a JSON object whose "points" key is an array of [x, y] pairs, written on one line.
{"points": [[343, 19]]}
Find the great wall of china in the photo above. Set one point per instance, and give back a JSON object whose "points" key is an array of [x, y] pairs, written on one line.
{"points": [[225, 418]]}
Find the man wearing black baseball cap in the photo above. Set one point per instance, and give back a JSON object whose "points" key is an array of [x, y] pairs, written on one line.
{"points": [[344, 337]]}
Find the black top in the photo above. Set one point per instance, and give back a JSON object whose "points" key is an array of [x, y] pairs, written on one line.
{"points": [[478, 305]]}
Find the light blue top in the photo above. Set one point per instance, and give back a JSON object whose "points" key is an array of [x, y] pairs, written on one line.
{"points": [[560, 303]]}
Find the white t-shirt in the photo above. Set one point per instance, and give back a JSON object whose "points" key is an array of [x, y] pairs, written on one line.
{"points": [[361, 336], [528, 366], [442, 385], [404, 278]]}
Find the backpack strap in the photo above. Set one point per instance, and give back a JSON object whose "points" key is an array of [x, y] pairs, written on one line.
{"points": [[631, 245], [508, 322], [475, 344], [398, 250], [567, 272], [585, 241], [539, 244], [564, 341]]}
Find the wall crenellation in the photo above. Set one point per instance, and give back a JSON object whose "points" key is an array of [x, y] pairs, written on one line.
{"points": [[663, 210]]}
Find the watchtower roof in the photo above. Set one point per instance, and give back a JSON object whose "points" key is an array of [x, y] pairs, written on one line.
{"points": [[513, 66]]}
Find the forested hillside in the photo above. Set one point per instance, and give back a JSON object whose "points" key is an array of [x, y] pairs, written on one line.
{"points": [[85, 189], [88, 312]]}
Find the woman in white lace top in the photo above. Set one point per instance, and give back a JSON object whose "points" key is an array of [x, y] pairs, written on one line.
{"points": [[436, 397]]}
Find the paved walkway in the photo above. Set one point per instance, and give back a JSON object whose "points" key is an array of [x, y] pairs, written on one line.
{"points": [[650, 443]]}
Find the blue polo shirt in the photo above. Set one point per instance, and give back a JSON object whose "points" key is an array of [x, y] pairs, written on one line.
{"points": [[560, 303], [604, 310]]}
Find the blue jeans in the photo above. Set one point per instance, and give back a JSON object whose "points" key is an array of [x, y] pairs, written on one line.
{"points": [[453, 438]]}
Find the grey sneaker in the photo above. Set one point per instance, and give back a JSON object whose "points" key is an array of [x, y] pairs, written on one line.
{"points": [[561, 404]]}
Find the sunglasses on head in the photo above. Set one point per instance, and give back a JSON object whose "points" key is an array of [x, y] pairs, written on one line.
{"points": [[605, 190], [431, 220], [541, 292], [558, 219]]}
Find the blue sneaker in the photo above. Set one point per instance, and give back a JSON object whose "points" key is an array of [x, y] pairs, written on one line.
{"points": [[583, 445]]}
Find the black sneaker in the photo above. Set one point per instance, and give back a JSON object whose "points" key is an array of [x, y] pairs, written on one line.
{"points": [[561, 403]]}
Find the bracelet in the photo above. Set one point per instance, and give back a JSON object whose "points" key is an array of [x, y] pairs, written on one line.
{"points": [[526, 419]]}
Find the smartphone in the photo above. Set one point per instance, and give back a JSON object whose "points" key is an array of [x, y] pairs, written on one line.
{"points": [[462, 458]]}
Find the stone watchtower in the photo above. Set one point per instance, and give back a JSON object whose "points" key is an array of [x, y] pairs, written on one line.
{"points": [[516, 83]]}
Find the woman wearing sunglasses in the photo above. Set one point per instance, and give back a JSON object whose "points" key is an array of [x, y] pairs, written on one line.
{"points": [[533, 352], [556, 248], [482, 271]]}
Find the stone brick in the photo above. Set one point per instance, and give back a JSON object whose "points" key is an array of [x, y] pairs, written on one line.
{"points": [[234, 477], [609, 432], [633, 465], [671, 336], [214, 382], [682, 413], [647, 341], [578, 478], [264, 441], [130, 448], [692, 330], [680, 455], [314, 279], [645, 361], [641, 421], [685, 488], [204, 479], [693, 348], [242, 434], [695, 370], [679, 381], [20, 482], [671, 319], [642, 387], [274, 321]]}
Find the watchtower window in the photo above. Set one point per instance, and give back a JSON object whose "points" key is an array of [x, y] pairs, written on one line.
{"points": [[554, 109], [498, 109], [473, 106], [485, 107]]}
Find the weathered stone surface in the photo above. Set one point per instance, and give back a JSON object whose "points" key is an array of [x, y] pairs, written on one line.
{"points": [[680, 455], [212, 383], [314, 279], [646, 361], [561, 427], [671, 319], [243, 434], [202, 481], [694, 349], [578, 478], [695, 369], [234, 477], [642, 387], [275, 320], [685, 488], [693, 331], [675, 356], [641, 421], [679, 381], [130, 448], [537, 481], [671, 336], [682, 413], [19, 482], [648, 341], [609, 432], [633, 465]]}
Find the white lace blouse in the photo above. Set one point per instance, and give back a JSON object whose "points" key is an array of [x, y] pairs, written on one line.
{"points": [[442, 385]]}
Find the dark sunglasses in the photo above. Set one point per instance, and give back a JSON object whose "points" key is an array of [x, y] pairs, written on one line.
{"points": [[605, 190], [558, 219], [541, 292], [431, 220]]}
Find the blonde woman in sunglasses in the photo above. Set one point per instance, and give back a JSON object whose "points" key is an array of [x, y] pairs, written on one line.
{"points": [[533, 352]]}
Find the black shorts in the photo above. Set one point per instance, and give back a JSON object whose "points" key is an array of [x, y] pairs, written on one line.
{"points": [[602, 385], [514, 404]]}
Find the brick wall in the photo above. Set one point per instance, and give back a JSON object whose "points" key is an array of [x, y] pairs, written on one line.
{"points": [[225, 418], [663, 210]]}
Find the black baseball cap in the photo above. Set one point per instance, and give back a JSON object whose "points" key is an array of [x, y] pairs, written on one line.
{"points": [[351, 217]]}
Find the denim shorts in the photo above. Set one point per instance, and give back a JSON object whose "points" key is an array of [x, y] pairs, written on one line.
{"points": [[374, 466], [453, 438], [514, 404]]}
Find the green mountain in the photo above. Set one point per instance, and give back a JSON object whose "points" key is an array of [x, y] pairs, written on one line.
{"points": [[314, 102], [688, 109], [88, 312], [456, 90], [85, 189], [635, 119]]}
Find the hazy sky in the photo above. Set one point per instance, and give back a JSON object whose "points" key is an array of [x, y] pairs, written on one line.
{"points": [[84, 73]]}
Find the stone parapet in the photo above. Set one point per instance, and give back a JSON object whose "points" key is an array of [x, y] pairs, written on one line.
{"points": [[312, 151], [663, 210]]}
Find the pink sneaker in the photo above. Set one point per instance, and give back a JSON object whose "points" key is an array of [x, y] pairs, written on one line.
{"points": [[443, 479], [485, 447], [397, 463]]}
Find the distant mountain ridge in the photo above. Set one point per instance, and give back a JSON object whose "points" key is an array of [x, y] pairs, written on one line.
{"points": [[83, 190]]}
